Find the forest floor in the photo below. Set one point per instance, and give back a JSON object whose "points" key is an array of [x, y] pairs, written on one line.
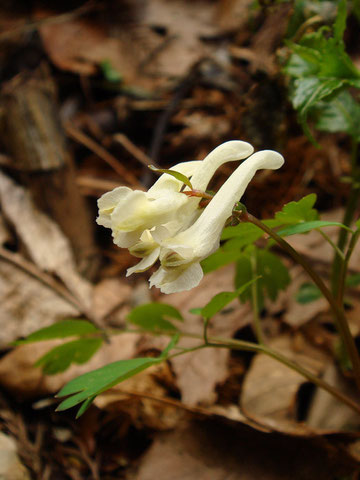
{"points": [[91, 94]]}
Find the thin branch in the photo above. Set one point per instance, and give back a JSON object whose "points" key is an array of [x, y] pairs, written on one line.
{"points": [[101, 152]]}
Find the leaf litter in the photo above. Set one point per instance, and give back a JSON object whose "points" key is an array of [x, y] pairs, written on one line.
{"points": [[258, 419]]}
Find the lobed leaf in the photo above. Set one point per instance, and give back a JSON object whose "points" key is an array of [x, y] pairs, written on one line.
{"points": [[297, 212]]}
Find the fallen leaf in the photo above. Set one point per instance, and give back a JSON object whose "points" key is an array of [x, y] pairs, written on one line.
{"points": [[30, 382], [45, 243], [326, 412], [10, 466], [27, 305], [145, 399], [199, 372], [209, 450], [270, 389]]}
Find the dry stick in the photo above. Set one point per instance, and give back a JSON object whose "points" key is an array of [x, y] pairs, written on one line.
{"points": [[339, 316], [47, 280], [134, 150], [88, 142]]}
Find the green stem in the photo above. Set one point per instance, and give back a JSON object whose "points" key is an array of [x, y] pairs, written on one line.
{"points": [[345, 265], [350, 210], [239, 345], [338, 313], [334, 246], [206, 324], [220, 342], [255, 301]]}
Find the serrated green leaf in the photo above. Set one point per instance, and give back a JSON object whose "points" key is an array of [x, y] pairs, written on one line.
{"points": [[309, 91], [340, 21], [243, 275], [91, 384], [274, 275], [152, 316], [173, 173], [339, 114], [62, 329], [222, 299], [61, 357], [307, 293], [297, 212], [308, 226]]}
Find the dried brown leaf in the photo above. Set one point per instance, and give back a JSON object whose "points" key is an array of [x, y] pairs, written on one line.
{"points": [[270, 388], [211, 451], [30, 381], [46, 245], [199, 372]]}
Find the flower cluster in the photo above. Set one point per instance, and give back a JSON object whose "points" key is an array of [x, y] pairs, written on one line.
{"points": [[167, 223]]}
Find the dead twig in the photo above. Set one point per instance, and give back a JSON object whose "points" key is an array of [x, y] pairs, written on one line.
{"points": [[134, 150], [100, 151]]}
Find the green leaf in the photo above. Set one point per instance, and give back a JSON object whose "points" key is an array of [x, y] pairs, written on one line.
{"points": [[153, 316], [308, 292], [309, 91], [272, 273], [339, 114], [308, 226], [243, 275], [297, 212], [222, 299], [61, 357], [353, 280], [247, 230], [340, 22], [110, 73], [179, 176], [85, 406], [219, 259], [62, 329], [244, 230], [91, 384]]}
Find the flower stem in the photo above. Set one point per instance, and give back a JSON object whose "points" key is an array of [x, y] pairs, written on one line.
{"points": [[220, 342], [350, 210], [255, 301], [338, 313]]}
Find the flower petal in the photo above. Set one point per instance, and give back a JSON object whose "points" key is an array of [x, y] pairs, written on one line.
{"points": [[177, 280], [108, 202], [145, 263]]}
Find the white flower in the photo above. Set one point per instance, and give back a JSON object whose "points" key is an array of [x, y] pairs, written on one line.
{"points": [[130, 213], [180, 255]]}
